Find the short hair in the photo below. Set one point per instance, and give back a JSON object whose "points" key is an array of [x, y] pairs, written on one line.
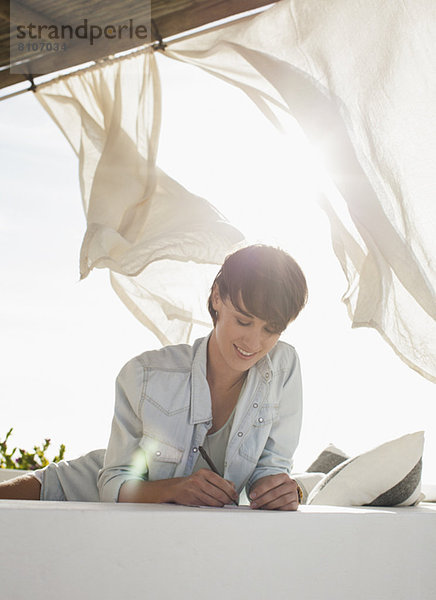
{"points": [[269, 282]]}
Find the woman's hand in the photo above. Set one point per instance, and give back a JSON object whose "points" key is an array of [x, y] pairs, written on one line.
{"points": [[203, 488], [274, 492]]}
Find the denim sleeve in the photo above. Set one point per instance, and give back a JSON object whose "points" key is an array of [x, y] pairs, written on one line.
{"points": [[277, 455], [126, 433]]}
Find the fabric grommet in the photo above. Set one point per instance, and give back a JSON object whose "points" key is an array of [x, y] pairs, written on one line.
{"points": [[240, 434], [260, 419], [158, 453], [195, 449], [255, 405]]}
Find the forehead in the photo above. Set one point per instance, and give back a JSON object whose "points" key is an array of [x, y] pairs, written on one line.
{"points": [[241, 309], [260, 307]]}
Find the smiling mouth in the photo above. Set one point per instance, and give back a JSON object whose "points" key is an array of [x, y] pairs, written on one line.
{"points": [[243, 353]]}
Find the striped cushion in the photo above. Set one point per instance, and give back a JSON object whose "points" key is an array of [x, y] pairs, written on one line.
{"points": [[327, 460], [388, 475]]}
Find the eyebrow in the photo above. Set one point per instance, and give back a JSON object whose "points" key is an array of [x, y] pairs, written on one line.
{"points": [[242, 312]]}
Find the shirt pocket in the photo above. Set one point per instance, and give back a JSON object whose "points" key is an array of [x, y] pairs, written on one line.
{"points": [[161, 459], [257, 435], [168, 392]]}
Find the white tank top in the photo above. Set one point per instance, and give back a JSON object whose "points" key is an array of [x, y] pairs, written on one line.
{"points": [[215, 445]]}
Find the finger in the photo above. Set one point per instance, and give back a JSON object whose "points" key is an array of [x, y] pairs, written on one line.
{"points": [[218, 480], [203, 499], [215, 491], [199, 492], [272, 494], [266, 484], [200, 499], [293, 506], [285, 502], [288, 490], [228, 487]]}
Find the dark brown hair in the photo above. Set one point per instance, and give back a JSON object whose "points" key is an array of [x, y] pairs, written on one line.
{"points": [[269, 282]]}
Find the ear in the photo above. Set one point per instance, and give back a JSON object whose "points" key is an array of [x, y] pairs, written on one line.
{"points": [[216, 298]]}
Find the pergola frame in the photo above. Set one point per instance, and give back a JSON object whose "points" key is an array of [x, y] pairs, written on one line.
{"points": [[169, 18]]}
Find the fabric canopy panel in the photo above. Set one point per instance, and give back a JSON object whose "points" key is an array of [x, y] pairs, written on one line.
{"points": [[156, 238], [359, 79]]}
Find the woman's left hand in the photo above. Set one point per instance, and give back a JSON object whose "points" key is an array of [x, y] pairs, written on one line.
{"points": [[274, 492]]}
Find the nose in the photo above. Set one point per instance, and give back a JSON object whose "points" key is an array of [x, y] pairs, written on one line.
{"points": [[253, 339]]}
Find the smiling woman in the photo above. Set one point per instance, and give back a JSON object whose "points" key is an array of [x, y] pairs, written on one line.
{"points": [[239, 381]]}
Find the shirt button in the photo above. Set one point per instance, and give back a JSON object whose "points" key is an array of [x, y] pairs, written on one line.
{"points": [[195, 449], [158, 453], [260, 419], [240, 434], [266, 375], [255, 405]]}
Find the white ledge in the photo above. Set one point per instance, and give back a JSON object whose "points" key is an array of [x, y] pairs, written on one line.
{"points": [[71, 551]]}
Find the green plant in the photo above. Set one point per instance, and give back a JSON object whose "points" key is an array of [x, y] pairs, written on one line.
{"points": [[28, 460]]}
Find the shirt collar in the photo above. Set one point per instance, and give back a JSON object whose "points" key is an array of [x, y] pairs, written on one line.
{"points": [[201, 403], [264, 368]]}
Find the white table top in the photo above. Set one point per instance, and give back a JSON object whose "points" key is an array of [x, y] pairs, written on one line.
{"points": [[74, 551]]}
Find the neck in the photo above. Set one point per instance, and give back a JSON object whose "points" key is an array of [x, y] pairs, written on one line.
{"points": [[218, 374]]}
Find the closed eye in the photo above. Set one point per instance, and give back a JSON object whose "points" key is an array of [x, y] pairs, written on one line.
{"points": [[243, 323], [273, 330]]}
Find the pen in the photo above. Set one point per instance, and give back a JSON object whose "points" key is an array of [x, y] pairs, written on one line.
{"points": [[206, 457]]}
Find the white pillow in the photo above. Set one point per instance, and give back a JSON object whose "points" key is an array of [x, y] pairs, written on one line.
{"points": [[388, 475], [329, 458], [429, 491]]}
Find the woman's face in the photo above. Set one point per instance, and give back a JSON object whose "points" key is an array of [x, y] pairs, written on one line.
{"points": [[238, 340]]}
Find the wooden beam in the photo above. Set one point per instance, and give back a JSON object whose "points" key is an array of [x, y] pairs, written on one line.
{"points": [[171, 18], [4, 9], [7, 79], [200, 13]]}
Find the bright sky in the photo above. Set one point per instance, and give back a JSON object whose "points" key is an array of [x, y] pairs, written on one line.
{"points": [[63, 342]]}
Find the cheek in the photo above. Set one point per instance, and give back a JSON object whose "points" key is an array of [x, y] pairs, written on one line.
{"points": [[225, 331], [272, 342]]}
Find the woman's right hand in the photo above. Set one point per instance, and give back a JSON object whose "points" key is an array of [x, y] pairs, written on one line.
{"points": [[203, 488]]}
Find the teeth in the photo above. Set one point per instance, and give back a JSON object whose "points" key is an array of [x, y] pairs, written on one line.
{"points": [[243, 352]]}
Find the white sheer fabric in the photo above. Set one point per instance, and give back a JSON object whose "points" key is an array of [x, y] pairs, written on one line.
{"points": [[359, 78], [158, 240]]}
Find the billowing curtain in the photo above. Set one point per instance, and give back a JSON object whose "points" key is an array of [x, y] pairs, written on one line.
{"points": [[161, 243], [359, 77]]}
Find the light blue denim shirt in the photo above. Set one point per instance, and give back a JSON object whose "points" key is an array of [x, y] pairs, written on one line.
{"points": [[163, 412]]}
